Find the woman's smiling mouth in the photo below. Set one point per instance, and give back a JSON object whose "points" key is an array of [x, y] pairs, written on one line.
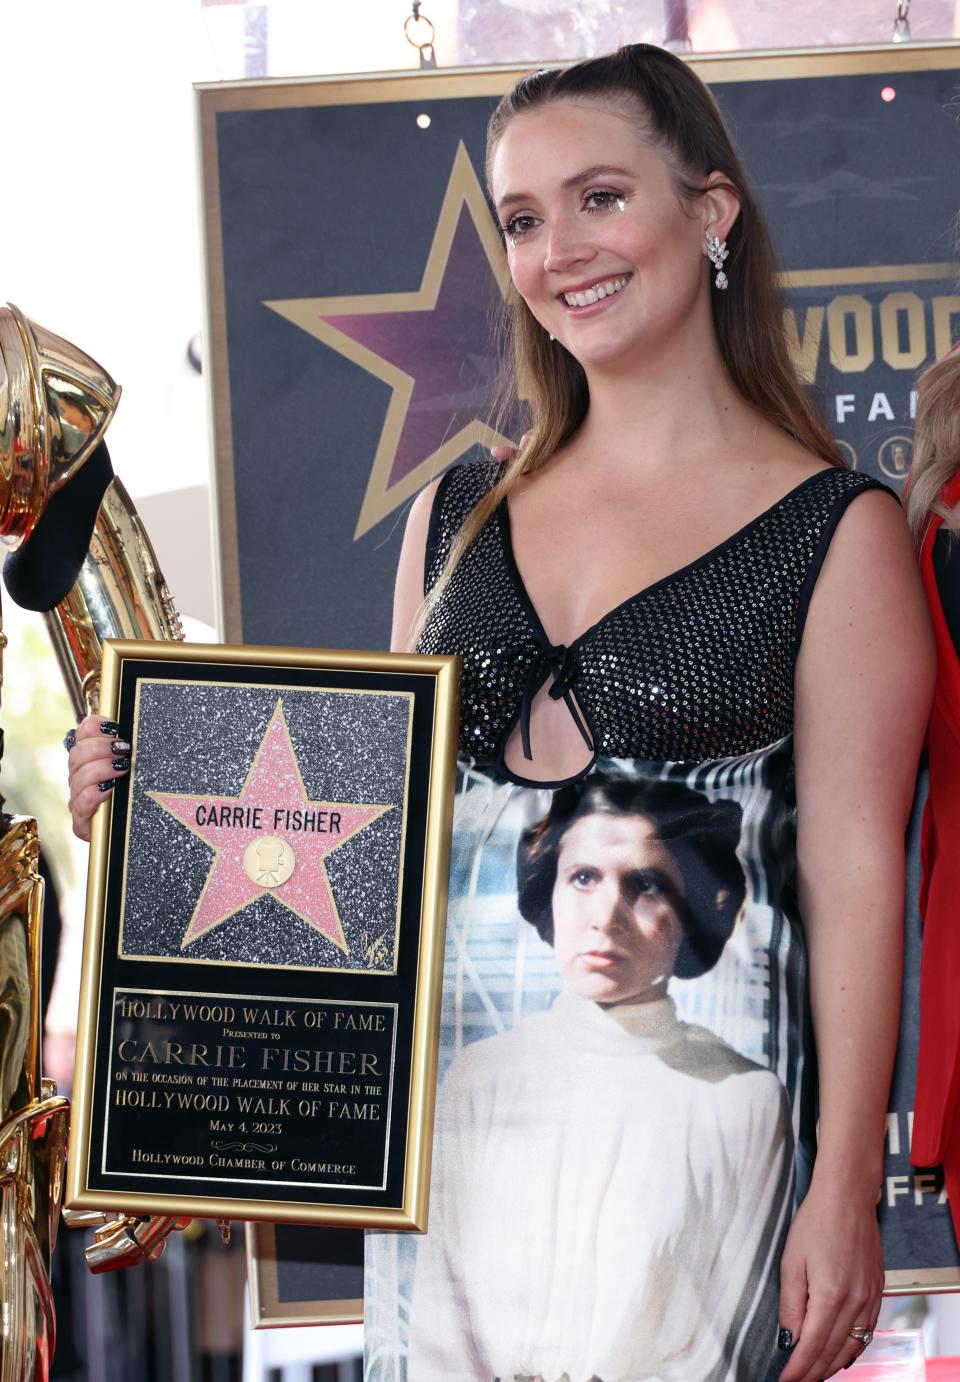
{"points": [[596, 292]]}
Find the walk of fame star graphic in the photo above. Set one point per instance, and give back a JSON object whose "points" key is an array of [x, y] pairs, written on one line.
{"points": [[434, 346], [255, 855]]}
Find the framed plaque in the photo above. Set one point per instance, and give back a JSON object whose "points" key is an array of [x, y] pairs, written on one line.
{"points": [[304, 1274], [264, 936]]}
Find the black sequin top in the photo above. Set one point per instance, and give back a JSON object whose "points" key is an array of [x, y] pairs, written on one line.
{"points": [[699, 665]]}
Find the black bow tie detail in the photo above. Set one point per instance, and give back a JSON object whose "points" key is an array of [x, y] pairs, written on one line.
{"points": [[560, 662]]}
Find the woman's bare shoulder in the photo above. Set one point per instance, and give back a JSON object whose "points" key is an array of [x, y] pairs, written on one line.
{"points": [[783, 461], [755, 474]]}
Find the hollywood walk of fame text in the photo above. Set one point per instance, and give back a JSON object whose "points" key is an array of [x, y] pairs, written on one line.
{"points": [[287, 1091]]}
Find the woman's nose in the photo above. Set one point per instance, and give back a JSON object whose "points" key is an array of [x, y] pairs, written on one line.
{"points": [[610, 910], [564, 247]]}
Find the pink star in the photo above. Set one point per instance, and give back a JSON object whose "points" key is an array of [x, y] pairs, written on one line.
{"points": [[256, 833]]}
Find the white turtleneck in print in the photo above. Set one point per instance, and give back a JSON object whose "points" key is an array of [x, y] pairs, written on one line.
{"points": [[610, 1192]]}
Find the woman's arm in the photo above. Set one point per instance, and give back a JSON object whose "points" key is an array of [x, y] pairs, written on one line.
{"points": [[408, 588], [864, 684]]}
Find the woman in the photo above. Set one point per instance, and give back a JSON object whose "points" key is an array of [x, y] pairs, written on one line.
{"points": [[604, 1131], [676, 567], [933, 510]]}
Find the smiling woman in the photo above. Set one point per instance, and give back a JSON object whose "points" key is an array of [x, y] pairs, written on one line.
{"points": [[618, 171], [603, 224], [667, 603]]}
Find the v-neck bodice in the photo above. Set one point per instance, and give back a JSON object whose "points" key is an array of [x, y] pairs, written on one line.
{"points": [[698, 665]]}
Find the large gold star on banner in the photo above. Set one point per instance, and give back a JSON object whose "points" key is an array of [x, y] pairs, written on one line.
{"points": [[435, 346]]}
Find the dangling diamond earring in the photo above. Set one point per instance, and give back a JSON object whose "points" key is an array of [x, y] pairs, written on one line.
{"points": [[717, 252]]}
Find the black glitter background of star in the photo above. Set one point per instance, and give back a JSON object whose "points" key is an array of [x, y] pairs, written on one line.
{"points": [[202, 739]]}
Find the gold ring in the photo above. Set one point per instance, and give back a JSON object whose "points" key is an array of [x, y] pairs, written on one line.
{"points": [[419, 19], [862, 1334]]}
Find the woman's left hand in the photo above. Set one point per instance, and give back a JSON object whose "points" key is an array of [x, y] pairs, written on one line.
{"points": [[831, 1278]]}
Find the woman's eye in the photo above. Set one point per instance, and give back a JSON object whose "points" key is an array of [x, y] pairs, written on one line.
{"points": [[583, 878], [650, 884], [518, 226], [604, 201]]}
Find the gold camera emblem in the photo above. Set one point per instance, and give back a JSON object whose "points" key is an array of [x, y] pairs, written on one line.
{"points": [[895, 455], [269, 861]]}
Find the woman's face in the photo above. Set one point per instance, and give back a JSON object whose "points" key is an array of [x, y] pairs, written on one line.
{"points": [[592, 208], [617, 908]]}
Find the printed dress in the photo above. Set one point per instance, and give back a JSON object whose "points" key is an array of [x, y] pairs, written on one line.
{"points": [[614, 1174]]}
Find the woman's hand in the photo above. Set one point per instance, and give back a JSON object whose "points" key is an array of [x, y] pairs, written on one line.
{"points": [[507, 453], [99, 756], [831, 1278]]}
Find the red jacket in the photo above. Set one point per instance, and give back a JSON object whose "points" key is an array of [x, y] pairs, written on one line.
{"points": [[936, 1126]]}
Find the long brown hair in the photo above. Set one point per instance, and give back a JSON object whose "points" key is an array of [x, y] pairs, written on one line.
{"points": [[679, 116], [936, 445]]}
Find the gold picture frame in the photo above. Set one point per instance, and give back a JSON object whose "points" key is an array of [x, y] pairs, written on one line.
{"points": [[175, 1057]]}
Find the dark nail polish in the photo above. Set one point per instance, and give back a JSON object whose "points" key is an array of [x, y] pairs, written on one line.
{"points": [[109, 727], [120, 764], [785, 1340], [105, 786], [850, 1364], [120, 746]]}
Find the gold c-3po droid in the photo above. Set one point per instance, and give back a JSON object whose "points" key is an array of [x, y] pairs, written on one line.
{"points": [[80, 554]]}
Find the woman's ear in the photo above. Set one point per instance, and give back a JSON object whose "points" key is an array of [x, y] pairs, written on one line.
{"points": [[720, 207]]}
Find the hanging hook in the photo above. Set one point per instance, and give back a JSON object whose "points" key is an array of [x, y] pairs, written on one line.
{"points": [[428, 56], [901, 23]]}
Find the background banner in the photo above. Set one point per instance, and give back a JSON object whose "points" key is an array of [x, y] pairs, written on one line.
{"points": [[354, 268]]}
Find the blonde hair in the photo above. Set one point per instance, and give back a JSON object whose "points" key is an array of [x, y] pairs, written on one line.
{"points": [[681, 117], [936, 446]]}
